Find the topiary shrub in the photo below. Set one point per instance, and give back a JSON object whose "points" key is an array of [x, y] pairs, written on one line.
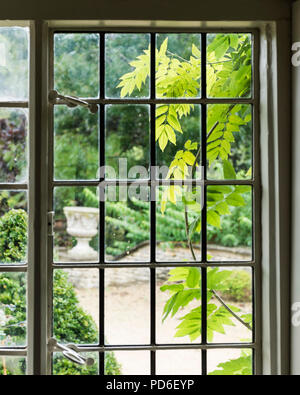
{"points": [[71, 322], [73, 325], [13, 241]]}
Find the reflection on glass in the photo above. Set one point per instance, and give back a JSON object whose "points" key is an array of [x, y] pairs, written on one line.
{"points": [[127, 224], [76, 223], [229, 305], [13, 145], [12, 366], [229, 65], [61, 366], [178, 65], [76, 64], [229, 141], [127, 65], [178, 305], [14, 63], [127, 363], [229, 219], [178, 362], [229, 362], [13, 325], [76, 306], [13, 227], [178, 139], [127, 306], [76, 148], [178, 210], [127, 141]]}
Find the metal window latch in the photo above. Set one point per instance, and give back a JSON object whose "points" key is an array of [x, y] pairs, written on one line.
{"points": [[71, 101], [71, 352], [50, 218]]}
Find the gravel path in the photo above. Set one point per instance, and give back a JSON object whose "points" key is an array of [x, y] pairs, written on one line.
{"points": [[128, 322], [127, 312]]}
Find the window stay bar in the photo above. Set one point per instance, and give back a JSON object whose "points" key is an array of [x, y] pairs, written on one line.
{"points": [[71, 101]]}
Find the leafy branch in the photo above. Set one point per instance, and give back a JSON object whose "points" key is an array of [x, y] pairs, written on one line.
{"points": [[229, 75]]}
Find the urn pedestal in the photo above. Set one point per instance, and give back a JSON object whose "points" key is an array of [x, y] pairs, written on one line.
{"points": [[82, 223]]}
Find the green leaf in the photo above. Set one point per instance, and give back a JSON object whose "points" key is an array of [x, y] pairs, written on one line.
{"points": [[234, 40], [163, 47], [161, 110], [236, 120], [172, 287], [160, 120], [178, 274], [222, 208], [193, 278], [221, 50], [159, 131], [196, 52], [228, 170], [229, 137], [215, 278], [248, 118], [173, 121], [234, 199], [213, 218], [189, 158], [171, 134], [242, 188], [163, 140], [241, 366], [226, 145]]}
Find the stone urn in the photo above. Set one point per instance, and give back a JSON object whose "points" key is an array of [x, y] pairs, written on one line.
{"points": [[82, 223]]}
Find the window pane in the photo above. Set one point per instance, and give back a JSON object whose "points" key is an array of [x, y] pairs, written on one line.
{"points": [[127, 224], [127, 363], [127, 65], [178, 65], [13, 145], [12, 366], [127, 306], [229, 306], [76, 64], [178, 309], [229, 219], [229, 65], [178, 136], [14, 56], [127, 141], [178, 362], [76, 306], [76, 223], [13, 227], [178, 209], [13, 324], [61, 366], [229, 142], [229, 362], [76, 147]]}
